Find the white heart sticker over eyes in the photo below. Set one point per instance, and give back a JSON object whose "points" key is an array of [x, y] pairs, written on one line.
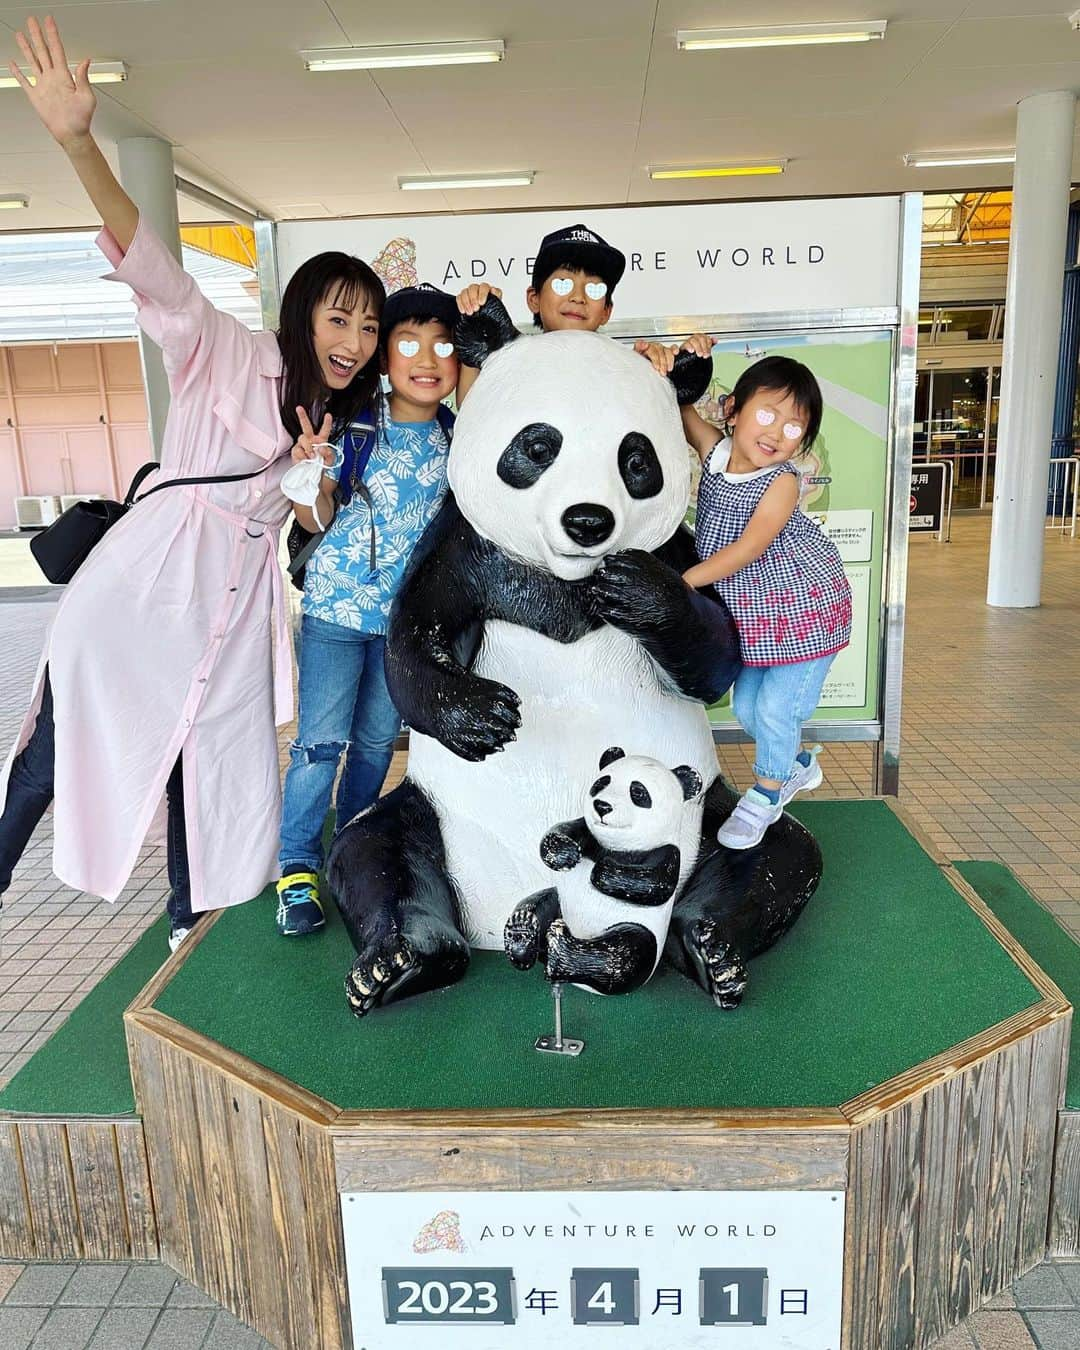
{"points": [[764, 417], [596, 290], [562, 285], [793, 431], [444, 349], [408, 348]]}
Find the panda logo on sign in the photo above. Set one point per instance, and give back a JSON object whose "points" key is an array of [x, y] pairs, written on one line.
{"points": [[542, 618]]}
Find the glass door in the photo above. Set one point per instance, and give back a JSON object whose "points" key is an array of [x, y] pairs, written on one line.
{"points": [[957, 430]]}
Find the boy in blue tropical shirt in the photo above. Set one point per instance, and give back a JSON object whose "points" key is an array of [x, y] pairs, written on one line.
{"points": [[349, 586]]}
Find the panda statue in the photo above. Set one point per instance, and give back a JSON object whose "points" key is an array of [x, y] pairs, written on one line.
{"points": [[542, 617], [604, 925]]}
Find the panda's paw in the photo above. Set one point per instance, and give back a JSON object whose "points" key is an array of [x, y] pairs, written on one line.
{"points": [[522, 936], [721, 971], [377, 972], [559, 851], [482, 717], [636, 592]]}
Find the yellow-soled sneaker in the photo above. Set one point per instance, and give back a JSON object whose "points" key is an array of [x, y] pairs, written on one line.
{"points": [[299, 911]]}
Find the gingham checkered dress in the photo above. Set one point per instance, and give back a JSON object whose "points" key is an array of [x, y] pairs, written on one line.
{"points": [[794, 602]]}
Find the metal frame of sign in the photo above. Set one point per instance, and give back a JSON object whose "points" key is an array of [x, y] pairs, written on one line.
{"points": [[902, 319]]}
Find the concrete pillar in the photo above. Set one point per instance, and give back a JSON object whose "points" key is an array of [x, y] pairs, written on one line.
{"points": [[1044, 140], [149, 178]]}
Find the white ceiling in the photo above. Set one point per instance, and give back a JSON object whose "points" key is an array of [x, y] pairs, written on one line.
{"points": [[591, 93]]}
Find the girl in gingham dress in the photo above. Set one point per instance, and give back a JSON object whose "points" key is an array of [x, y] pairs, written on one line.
{"points": [[780, 577]]}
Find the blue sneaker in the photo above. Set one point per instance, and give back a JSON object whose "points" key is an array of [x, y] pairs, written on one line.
{"points": [[299, 911]]}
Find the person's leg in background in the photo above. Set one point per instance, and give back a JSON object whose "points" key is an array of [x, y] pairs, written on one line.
{"points": [[30, 789], [181, 917]]}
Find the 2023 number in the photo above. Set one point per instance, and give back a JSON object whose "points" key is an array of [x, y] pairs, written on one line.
{"points": [[436, 1298]]}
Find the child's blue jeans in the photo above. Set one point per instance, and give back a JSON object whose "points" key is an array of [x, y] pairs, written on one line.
{"points": [[345, 706], [771, 704]]}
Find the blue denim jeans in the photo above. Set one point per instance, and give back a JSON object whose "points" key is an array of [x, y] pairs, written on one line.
{"points": [[771, 704], [30, 790], [345, 707]]}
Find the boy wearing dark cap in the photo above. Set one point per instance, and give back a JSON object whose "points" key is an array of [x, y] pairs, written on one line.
{"points": [[574, 277], [398, 476]]}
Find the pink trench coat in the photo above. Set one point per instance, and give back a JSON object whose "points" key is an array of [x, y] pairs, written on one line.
{"points": [[165, 642]]}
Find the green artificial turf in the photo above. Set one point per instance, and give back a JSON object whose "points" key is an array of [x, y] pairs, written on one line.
{"points": [[82, 1070], [887, 967], [1041, 936]]}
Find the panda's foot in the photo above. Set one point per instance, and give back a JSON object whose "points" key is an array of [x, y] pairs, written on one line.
{"points": [[525, 934], [377, 972], [621, 959], [718, 967]]}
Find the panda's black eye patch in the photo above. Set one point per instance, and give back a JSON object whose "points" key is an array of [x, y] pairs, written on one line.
{"points": [[600, 785], [639, 794], [639, 466], [532, 450]]}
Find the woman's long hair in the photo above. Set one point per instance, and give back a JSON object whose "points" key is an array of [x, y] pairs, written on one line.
{"points": [[341, 280]]}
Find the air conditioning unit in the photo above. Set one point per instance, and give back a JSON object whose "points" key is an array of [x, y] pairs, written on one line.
{"points": [[69, 499], [34, 513]]}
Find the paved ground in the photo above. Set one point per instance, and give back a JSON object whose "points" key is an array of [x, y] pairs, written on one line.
{"points": [[990, 769]]}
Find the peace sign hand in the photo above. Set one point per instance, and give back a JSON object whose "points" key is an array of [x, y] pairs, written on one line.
{"points": [[64, 102], [310, 445]]}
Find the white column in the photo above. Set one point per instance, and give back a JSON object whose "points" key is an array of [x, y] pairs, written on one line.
{"points": [[149, 178], [1044, 141]]}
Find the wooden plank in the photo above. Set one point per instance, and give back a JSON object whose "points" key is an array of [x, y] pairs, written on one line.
{"points": [[618, 1159], [326, 1240], [901, 1195], [978, 1098], [16, 1225], [148, 1076], [281, 1131], [99, 1191], [1046, 1087], [941, 1164], [1006, 1163], [862, 1240], [162, 977], [700, 1120], [50, 1188], [1064, 1228], [138, 1198]]}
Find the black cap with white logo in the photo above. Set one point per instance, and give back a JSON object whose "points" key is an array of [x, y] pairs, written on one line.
{"points": [[578, 247], [418, 302]]}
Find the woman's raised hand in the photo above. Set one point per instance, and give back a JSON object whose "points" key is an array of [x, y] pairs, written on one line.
{"points": [[64, 102], [312, 445]]}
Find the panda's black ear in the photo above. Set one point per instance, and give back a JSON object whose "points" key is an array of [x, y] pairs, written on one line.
{"points": [[610, 756], [690, 780], [690, 375], [477, 335]]}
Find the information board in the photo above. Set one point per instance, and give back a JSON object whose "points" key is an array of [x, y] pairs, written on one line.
{"points": [[671, 1270]]}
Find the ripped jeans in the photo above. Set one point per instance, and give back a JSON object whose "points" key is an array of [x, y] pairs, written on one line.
{"points": [[345, 706]]}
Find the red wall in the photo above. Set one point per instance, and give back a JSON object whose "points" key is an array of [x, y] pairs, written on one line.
{"points": [[72, 419]]}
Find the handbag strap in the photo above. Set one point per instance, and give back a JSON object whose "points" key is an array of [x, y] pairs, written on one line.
{"points": [[147, 469]]}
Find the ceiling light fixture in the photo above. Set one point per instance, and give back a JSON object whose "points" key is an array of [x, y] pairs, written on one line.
{"points": [[719, 170], [101, 72], [442, 183], [954, 159], [13, 203], [399, 56], [780, 35]]}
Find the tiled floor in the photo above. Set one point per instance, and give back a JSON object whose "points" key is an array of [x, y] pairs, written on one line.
{"points": [[990, 769]]}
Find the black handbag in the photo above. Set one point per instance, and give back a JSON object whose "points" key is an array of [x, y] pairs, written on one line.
{"points": [[62, 547]]}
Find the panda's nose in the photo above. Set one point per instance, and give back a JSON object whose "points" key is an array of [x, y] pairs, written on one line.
{"points": [[588, 524], [602, 807]]}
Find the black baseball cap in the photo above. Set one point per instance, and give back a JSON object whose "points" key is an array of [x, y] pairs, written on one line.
{"points": [[416, 302], [579, 247]]}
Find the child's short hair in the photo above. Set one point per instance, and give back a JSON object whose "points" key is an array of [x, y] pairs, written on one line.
{"points": [[577, 249], [417, 305], [784, 376]]}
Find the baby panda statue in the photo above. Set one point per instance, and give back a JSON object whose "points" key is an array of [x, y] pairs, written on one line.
{"points": [[542, 618], [604, 926]]}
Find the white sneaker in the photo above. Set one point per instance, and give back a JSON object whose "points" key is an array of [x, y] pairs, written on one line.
{"points": [[805, 778], [176, 936], [746, 825]]}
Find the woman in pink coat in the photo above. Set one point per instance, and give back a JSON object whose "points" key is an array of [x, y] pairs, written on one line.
{"points": [[157, 681]]}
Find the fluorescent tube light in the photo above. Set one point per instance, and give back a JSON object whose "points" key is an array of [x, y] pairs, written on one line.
{"points": [[954, 159], [780, 35], [101, 72], [13, 203], [719, 170], [399, 56], [442, 183]]}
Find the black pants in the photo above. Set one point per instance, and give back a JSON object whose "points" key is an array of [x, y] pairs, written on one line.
{"points": [[30, 790]]}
